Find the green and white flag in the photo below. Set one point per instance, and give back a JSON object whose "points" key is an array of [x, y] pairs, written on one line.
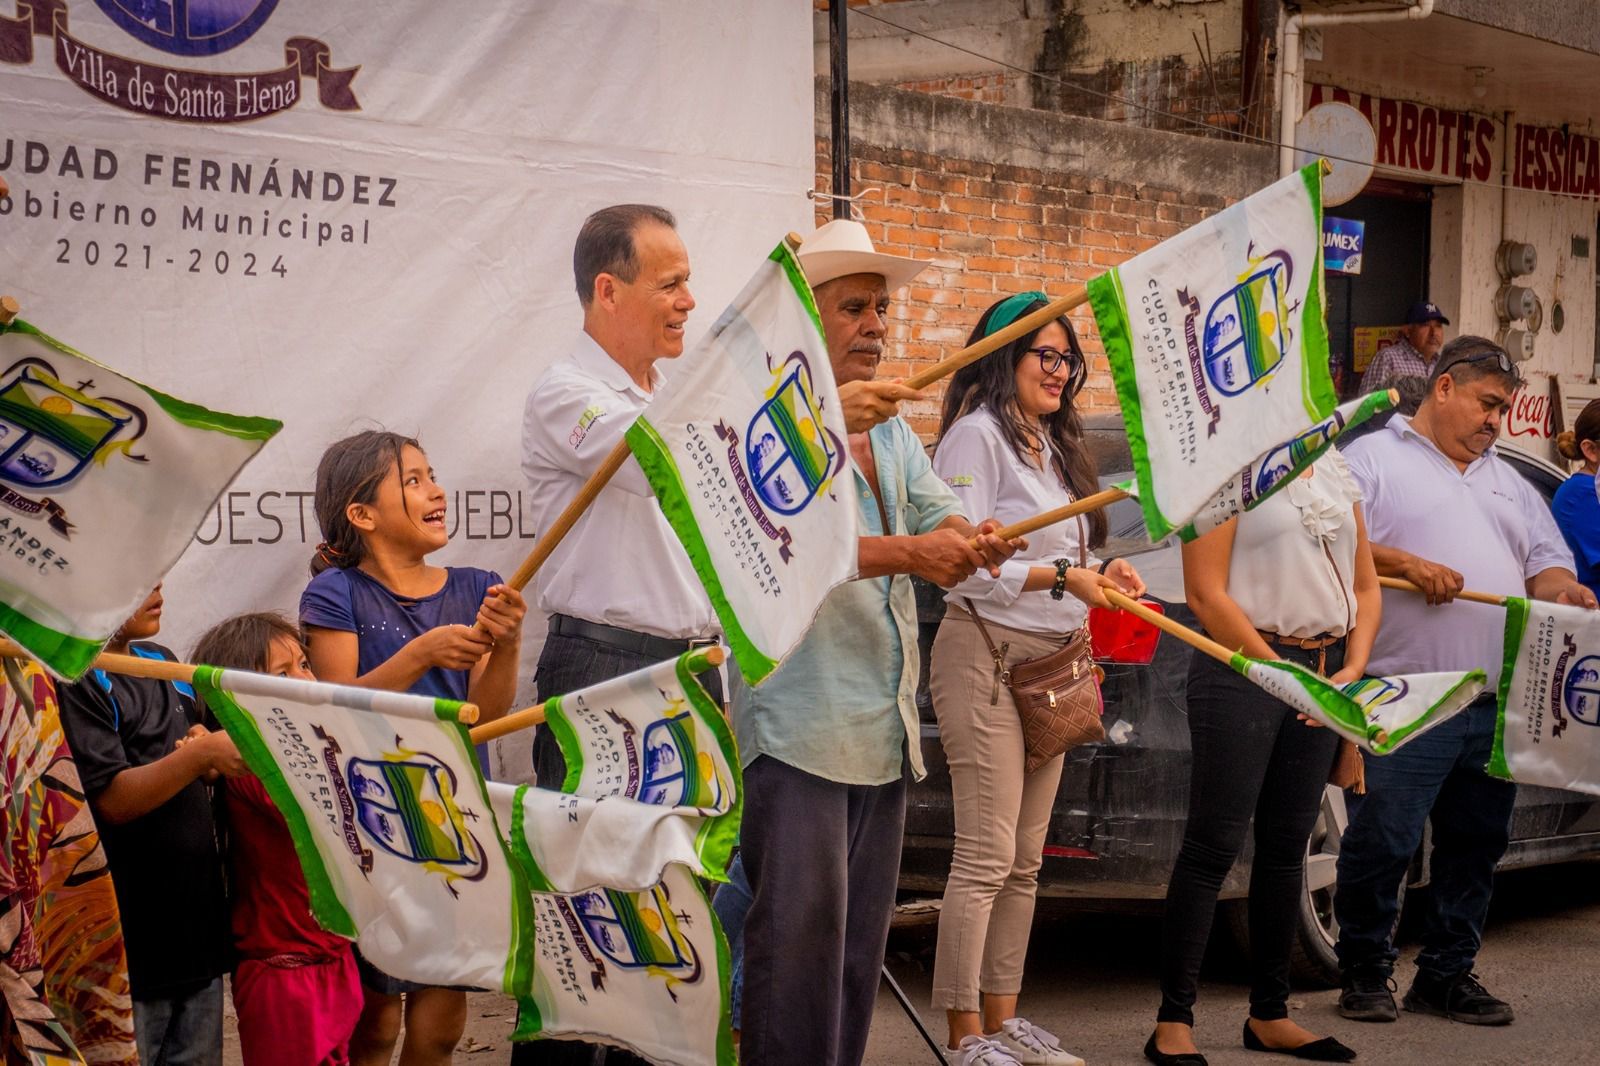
{"points": [[103, 483], [1378, 714], [1549, 728], [1281, 465], [391, 822], [743, 446], [1217, 345], [647, 971], [652, 779]]}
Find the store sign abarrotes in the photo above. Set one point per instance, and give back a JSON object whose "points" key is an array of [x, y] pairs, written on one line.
{"points": [[1459, 144], [1342, 240]]}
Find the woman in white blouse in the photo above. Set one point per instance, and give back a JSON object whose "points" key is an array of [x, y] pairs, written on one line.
{"points": [[1291, 579], [1010, 447]]}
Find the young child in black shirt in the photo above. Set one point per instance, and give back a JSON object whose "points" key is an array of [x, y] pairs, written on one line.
{"points": [[152, 804]]}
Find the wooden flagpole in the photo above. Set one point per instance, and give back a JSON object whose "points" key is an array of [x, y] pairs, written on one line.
{"points": [[9, 310], [162, 670], [1465, 594], [704, 659], [1020, 328], [1103, 498], [1195, 640]]}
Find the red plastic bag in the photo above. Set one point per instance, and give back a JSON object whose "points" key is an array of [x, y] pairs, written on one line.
{"points": [[1122, 636]]}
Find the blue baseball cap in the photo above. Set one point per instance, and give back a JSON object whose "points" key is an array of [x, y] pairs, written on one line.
{"points": [[1425, 312]]}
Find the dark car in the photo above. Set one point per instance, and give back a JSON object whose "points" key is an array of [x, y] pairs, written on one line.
{"points": [[1119, 816]]}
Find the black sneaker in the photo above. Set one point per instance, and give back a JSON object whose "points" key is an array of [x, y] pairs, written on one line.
{"points": [[1368, 996], [1458, 997]]}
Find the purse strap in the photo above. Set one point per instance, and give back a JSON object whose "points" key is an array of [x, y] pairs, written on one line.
{"points": [[983, 630], [972, 609]]}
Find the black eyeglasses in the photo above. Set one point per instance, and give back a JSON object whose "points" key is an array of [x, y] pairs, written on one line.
{"points": [[1052, 359]]}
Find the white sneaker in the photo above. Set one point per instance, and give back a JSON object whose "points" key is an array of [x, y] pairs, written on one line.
{"points": [[1030, 1045], [980, 1051]]}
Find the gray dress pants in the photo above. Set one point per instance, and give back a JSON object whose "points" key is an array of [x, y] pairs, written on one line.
{"points": [[823, 859]]}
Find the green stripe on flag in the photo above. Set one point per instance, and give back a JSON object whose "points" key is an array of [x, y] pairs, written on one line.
{"points": [[245, 427], [537, 881], [662, 472], [1110, 308], [567, 740], [66, 655], [1317, 389], [1398, 735], [518, 973], [715, 840], [1516, 627], [784, 256], [241, 725]]}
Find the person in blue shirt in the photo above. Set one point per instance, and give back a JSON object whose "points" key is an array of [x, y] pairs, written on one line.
{"points": [[1576, 506], [379, 615]]}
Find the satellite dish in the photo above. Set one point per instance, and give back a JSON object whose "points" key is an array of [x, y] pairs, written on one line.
{"points": [[1342, 135]]}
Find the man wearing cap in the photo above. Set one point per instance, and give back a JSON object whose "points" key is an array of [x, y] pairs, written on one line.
{"points": [[827, 737], [1413, 354], [1444, 512]]}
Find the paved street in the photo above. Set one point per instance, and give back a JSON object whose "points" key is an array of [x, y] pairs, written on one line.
{"points": [[1092, 980]]}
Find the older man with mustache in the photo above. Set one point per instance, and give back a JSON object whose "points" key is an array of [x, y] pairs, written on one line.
{"points": [[827, 740]]}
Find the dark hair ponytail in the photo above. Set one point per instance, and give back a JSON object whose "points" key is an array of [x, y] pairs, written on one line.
{"points": [[992, 382], [350, 472]]}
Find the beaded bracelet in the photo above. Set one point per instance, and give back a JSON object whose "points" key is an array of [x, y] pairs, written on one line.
{"points": [[1059, 589]]}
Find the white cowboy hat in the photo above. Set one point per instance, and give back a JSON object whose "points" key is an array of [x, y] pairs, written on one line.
{"points": [[842, 247]]}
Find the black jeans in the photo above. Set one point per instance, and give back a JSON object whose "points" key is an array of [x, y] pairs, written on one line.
{"points": [[824, 860], [565, 665], [1250, 754], [1438, 776]]}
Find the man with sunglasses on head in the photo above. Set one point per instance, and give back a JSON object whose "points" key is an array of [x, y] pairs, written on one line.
{"points": [[1444, 512]]}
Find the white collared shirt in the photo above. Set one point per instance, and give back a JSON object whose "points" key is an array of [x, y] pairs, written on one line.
{"points": [[1485, 522], [975, 460], [1306, 529], [621, 564]]}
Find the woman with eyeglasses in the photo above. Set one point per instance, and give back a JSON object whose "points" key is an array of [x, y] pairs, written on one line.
{"points": [[1010, 446]]}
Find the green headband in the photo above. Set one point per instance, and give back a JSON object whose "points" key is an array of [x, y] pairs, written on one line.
{"points": [[1010, 309]]}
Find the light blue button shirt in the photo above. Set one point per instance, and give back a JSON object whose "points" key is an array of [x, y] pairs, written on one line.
{"points": [[841, 706]]}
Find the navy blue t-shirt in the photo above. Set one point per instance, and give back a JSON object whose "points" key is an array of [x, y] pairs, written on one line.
{"points": [[383, 622]]}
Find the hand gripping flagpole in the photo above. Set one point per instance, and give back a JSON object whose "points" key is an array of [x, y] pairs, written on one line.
{"points": [[164, 670], [1103, 498], [1466, 594]]}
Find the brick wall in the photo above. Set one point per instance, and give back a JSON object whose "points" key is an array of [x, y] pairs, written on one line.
{"points": [[998, 88], [994, 229]]}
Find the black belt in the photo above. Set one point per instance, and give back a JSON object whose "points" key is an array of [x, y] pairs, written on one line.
{"points": [[646, 644]]}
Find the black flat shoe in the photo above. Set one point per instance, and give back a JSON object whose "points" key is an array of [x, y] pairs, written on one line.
{"points": [[1325, 1050], [1161, 1058]]}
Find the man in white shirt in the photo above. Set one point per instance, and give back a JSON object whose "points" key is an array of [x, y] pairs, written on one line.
{"points": [[1446, 513], [619, 588]]}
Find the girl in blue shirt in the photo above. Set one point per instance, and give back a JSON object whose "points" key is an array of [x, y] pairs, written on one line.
{"points": [[377, 614], [1576, 507]]}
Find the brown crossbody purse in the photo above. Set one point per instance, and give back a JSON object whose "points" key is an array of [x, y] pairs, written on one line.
{"points": [[1057, 695]]}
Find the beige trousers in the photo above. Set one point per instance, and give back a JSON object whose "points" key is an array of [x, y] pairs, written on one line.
{"points": [[1001, 814]]}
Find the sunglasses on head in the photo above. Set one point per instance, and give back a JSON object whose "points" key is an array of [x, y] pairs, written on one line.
{"points": [[1502, 360]]}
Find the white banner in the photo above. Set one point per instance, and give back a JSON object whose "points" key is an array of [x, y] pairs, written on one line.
{"points": [[343, 215]]}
